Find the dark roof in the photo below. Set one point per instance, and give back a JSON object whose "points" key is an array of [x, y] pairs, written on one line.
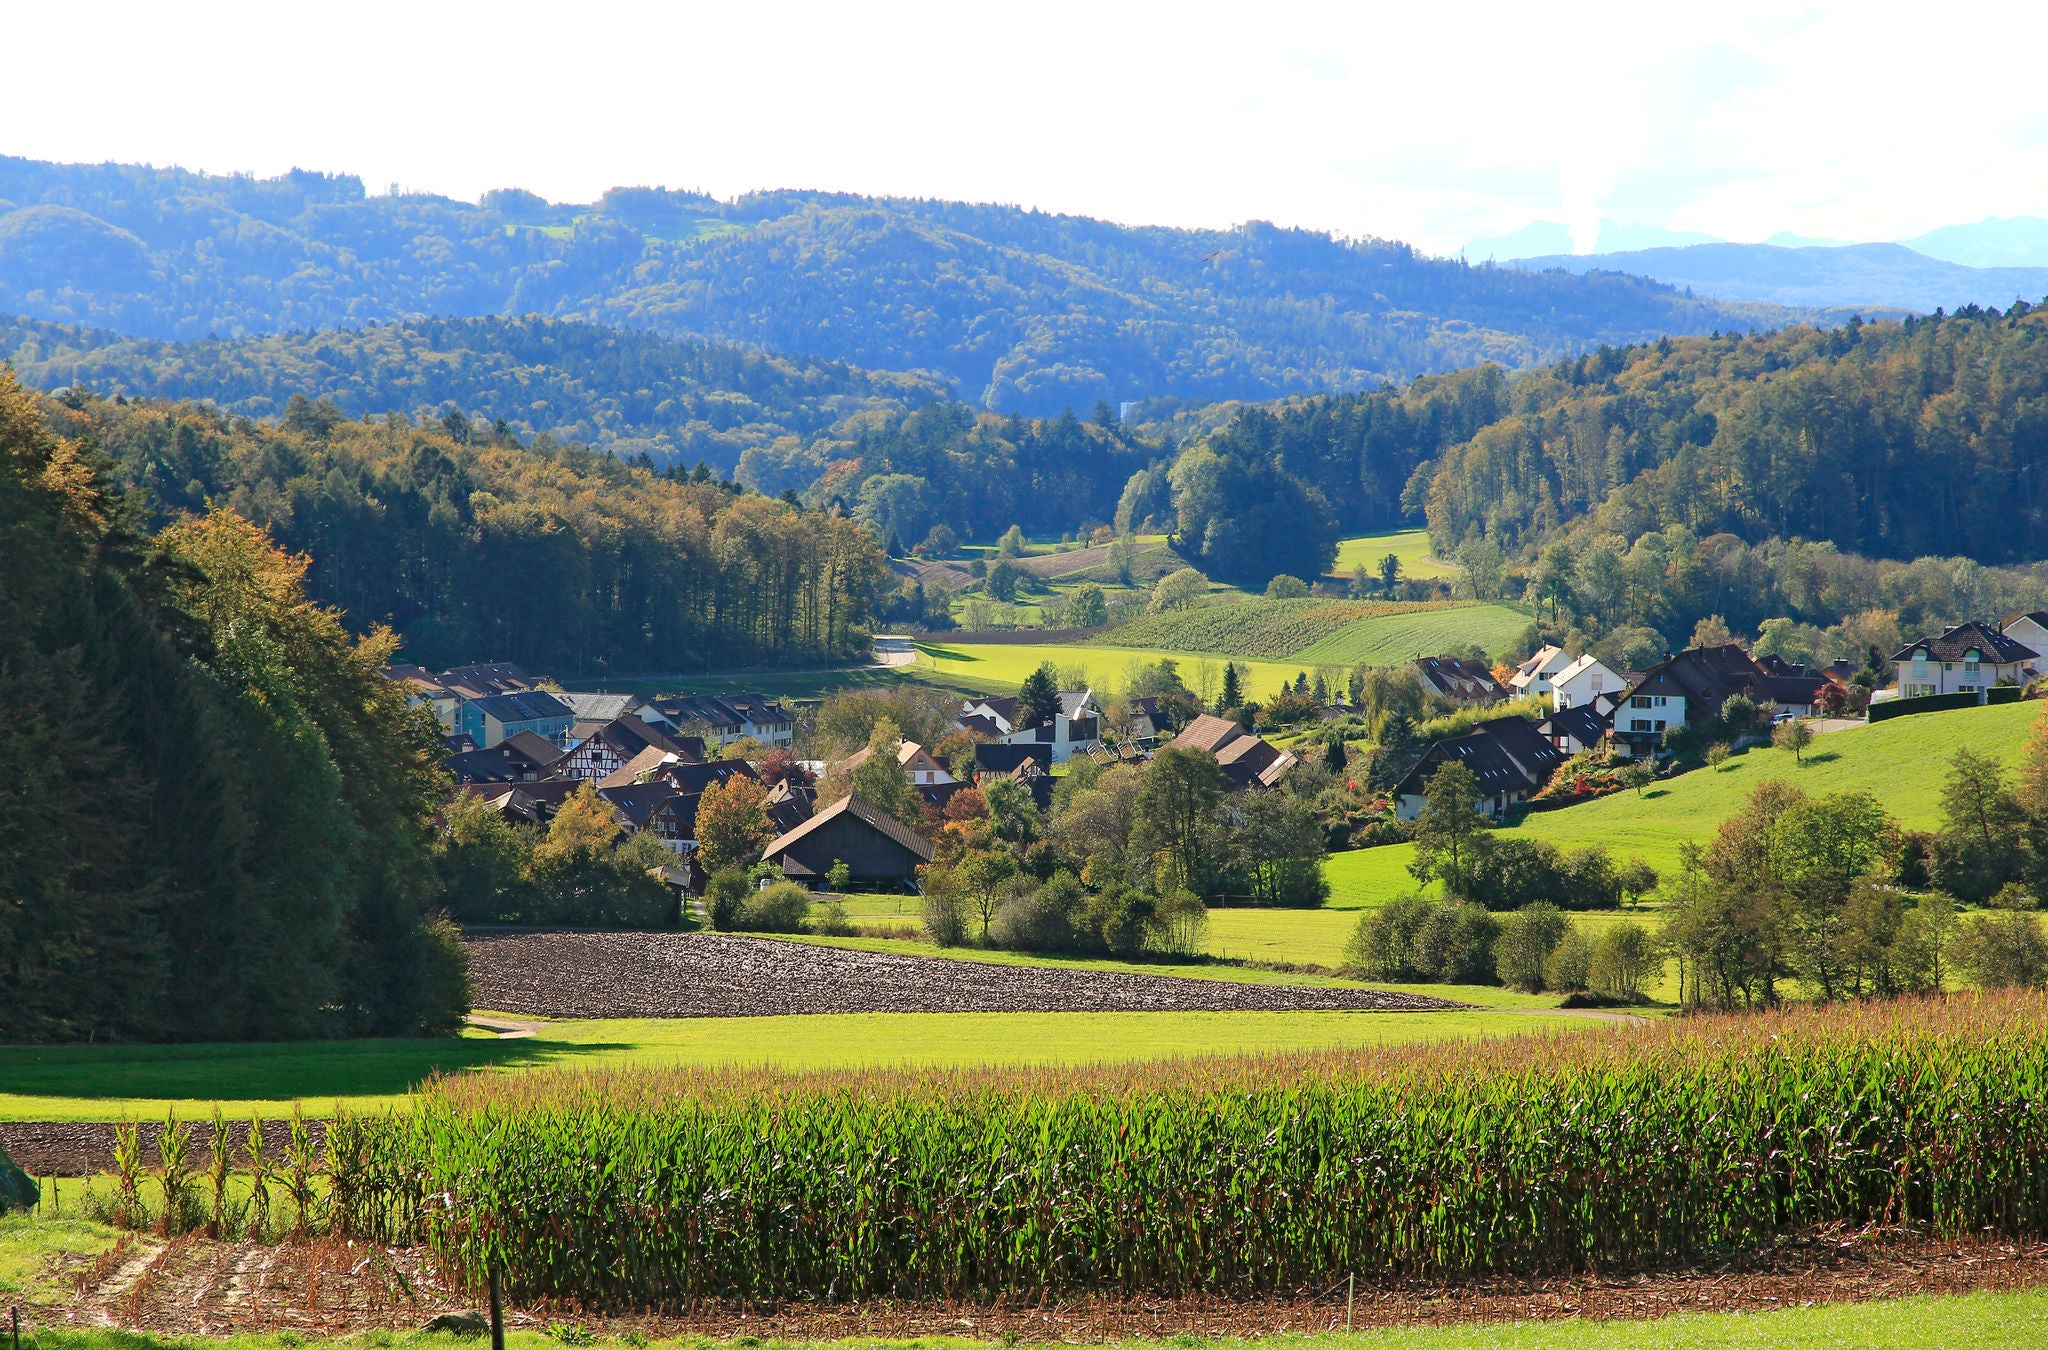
{"points": [[694, 778], [533, 706], [980, 724], [1459, 677], [936, 795], [1005, 759], [505, 762], [1584, 723], [628, 736], [722, 710], [535, 747], [872, 816], [1505, 754], [638, 802], [1792, 691], [1003, 706], [1707, 675], [500, 677], [1952, 645]]}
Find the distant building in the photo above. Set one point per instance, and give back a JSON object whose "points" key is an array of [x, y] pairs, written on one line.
{"points": [[1077, 727], [1454, 677], [1247, 760], [1533, 676], [878, 849]]}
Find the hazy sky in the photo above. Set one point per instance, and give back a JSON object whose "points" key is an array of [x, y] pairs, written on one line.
{"points": [[1430, 122]]}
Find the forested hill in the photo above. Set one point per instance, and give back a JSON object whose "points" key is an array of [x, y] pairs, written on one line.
{"points": [[558, 557], [1025, 311], [607, 387]]}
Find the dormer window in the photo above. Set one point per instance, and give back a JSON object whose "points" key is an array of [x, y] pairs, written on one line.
{"points": [[1970, 660]]}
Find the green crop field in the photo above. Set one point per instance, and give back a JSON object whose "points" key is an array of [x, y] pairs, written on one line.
{"points": [[1901, 763], [1269, 629], [142, 1081], [1980, 1321], [1004, 666], [1412, 547], [1390, 639]]}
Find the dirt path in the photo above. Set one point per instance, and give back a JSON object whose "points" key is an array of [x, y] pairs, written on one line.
{"points": [[73, 1148], [194, 1286]]}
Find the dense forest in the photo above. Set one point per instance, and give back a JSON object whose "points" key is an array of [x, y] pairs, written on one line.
{"points": [[609, 388], [473, 546], [1023, 311], [216, 823]]}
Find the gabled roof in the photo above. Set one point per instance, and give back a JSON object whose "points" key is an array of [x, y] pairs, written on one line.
{"points": [[639, 802], [534, 706], [1073, 701], [648, 762], [536, 747], [599, 707], [1709, 675], [872, 816], [1579, 667], [1505, 754], [1996, 647], [628, 736], [1206, 732], [483, 681], [980, 725], [1457, 676], [1586, 723], [1006, 759], [694, 778]]}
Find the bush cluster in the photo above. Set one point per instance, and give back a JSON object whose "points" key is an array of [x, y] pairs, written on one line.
{"points": [[1534, 948]]}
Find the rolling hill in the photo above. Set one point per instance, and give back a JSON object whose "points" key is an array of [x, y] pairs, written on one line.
{"points": [[1021, 310], [1871, 277], [1900, 762]]}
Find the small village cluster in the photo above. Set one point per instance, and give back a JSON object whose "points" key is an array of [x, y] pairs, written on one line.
{"points": [[525, 745], [1630, 714]]}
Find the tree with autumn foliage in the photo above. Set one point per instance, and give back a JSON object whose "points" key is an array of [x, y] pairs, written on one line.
{"points": [[732, 824]]}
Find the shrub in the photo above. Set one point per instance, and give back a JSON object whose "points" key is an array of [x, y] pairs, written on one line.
{"points": [[724, 893], [945, 908], [779, 908], [830, 919], [1119, 916], [1527, 938], [2002, 950], [1571, 962], [1284, 587], [1625, 960], [1048, 918], [1421, 940]]}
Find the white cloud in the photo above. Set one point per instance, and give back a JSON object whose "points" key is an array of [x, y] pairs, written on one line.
{"points": [[1430, 123]]}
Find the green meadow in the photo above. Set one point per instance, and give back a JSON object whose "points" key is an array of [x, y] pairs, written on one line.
{"points": [[1412, 547]]}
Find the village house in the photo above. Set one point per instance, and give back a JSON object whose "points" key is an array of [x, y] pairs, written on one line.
{"points": [[491, 719], [2030, 630], [1247, 760], [917, 761], [725, 718], [877, 849], [1077, 727], [1458, 679], [521, 757], [605, 749], [658, 809], [1508, 756], [1580, 727], [1583, 681], [1695, 685], [1967, 659], [1533, 676]]}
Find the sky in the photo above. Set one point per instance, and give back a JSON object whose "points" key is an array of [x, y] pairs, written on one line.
{"points": [[1428, 122]]}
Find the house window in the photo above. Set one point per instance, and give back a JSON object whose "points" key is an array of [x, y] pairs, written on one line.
{"points": [[1639, 724], [1639, 702]]}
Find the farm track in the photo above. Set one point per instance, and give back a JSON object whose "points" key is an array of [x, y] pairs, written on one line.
{"points": [[190, 1286], [590, 974]]}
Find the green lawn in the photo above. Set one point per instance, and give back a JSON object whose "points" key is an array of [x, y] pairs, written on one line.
{"points": [[141, 1082], [1390, 639], [1901, 762], [1003, 665], [1410, 546], [1981, 1321]]}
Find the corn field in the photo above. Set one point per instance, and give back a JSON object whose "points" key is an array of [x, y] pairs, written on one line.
{"points": [[1633, 1147]]}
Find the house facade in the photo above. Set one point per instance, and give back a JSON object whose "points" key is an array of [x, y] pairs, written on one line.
{"points": [[878, 849], [1967, 659], [725, 718], [1076, 729], [1695, 685], [1247, 760], [2031, 630], [1533, 676]]}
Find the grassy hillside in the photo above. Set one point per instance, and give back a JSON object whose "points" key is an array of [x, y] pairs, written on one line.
{"points": [[1386, 639], [1004, 666], [1412, 547], [1901, 763], [1271, 630]]}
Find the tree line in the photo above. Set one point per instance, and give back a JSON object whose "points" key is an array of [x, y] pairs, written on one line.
{"points": [[557, 556], [217, 819]]}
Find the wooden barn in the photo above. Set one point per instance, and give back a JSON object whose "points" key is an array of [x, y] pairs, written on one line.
{"points": [[878, 849]]}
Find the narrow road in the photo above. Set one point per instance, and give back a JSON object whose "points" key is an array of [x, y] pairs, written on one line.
{"points": [[893, 649]]}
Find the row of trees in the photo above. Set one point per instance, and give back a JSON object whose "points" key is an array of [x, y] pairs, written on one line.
{"points": [[218, 819], [1534, 948]]}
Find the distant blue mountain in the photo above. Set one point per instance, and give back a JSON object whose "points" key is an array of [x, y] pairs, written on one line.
{"points": [[1542, 238], [2020, 241], [1871, 276]]}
